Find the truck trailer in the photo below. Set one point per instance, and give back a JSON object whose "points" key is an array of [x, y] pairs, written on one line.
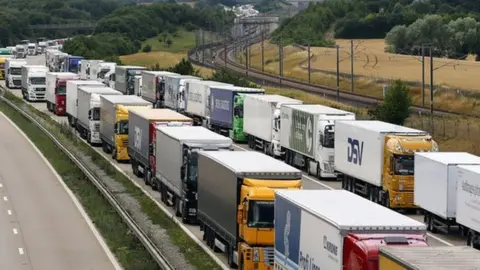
{"points": [[177, 165], [175, 91], [88, 111], [226, 110], [56, 92], [141, 138], [438, 170], [428, 258], [114, 123], [197, 101], [377, 160], [468, 206], [236, 203], [261, 121], [13, 72], [125, 78], [337, 230], [88, 69], [153, 86], [72, 98], [34, 82]]}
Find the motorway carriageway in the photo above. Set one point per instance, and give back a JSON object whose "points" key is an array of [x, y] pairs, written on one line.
{"points": [[309, 181]]}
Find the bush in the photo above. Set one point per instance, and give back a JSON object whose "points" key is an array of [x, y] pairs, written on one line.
{"points": [[147, 48]]}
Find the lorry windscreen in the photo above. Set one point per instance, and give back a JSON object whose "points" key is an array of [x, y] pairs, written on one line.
{"points": [[192, 169], [37, 80], [261, 214], [73, 69], [16, 71], [122, 126], [329, 137], [403, 164], [61, 90], [102, 73], [96, 114]]}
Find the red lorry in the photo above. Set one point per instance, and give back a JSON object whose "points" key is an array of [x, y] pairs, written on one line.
{"points": [[56, 91]]}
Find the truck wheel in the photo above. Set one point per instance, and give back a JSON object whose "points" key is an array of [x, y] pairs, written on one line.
{"points": [[231, 263], [7, 84], [319, 177], [386, 203], [177, 204], [89, 141], [114, 153], [431, 224], [146, 178]]}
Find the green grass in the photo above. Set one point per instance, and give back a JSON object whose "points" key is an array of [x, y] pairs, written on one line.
{"points": [[193, 253], [122, 242], [182, 41]]}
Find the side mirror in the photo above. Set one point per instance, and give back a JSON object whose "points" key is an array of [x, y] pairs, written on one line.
{"points": [[115, 128], [182, 172], [89, 115], [150, 149]]}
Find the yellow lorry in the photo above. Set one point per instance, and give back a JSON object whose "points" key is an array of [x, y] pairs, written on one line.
{"points": [[236, 204], [376, 160], [114, 123], [428, 258], [2, 68]]}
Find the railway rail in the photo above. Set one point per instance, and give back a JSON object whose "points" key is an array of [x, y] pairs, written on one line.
{"points": [[126, 217], [275, 80]]}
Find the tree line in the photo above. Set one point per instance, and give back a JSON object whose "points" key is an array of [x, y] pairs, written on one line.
{"points": [[362, 19]]}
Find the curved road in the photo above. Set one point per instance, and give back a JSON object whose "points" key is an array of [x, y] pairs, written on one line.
{"points": [[40, 225]]}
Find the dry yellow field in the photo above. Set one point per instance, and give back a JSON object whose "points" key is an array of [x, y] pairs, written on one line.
{"points": [[372, 68]]}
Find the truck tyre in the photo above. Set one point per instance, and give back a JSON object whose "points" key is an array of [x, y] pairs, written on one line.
{"points": [[231, 263], [177, 204], [114, 153], [386, 202], [318, 174], [7, 84], [89, 141]]}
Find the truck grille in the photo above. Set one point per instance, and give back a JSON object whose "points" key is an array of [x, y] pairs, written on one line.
{"points": [[40, 89], [97, 127], [268, 255], [406, 184], [17, 82], [125, 142], [331, 158], [409, 198]]}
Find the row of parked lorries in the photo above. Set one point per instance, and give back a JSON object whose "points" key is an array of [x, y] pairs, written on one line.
{"points": [[169, 132]]}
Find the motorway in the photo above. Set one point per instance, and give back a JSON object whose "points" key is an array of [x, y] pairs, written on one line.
{"points": [[309, 182], [41, 226]]}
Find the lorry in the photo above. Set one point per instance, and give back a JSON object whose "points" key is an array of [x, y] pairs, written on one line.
{"points": [[56, 91], [13, 71], [197, 101], [58, 62], [89, 68], [109, 79], [176, 155], [42, 46], [34, 82], [226, 110], [468, 206], [153, 86], [138, 86], [32, 49], [20, 51], [2, 67], [428, 258], [88, 111], [114, 123], [337, 230], [71, 63], [377, 160], [125, 78], [236, 203], [438, 169], [104, 68], [141, 138], [174, 97], [307, 137], [261, 122], [72, 98]]}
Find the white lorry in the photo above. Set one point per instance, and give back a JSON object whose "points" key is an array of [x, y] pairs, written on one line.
{"points": [[153, 86], [88, 111], [32, 49], [89, 69], [468, 202], [34, 82], [20, 51], [261, 121], [137, 87], [109, 79], [56, 91], [13, 72], [337, 230], [72, 98], [438, 170], [103, 69], [175, 91], [197, 101], [307, 137]]}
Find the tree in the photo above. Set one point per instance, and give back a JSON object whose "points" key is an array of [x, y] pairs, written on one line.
{"points": [[395, 108], [147, 48], [169, 43]]}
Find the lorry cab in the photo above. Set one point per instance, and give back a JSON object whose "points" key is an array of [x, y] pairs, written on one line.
{"points": [[109, 79], [103, 69], [13, 70], [32, 49], [20, 51], [2, 68]]}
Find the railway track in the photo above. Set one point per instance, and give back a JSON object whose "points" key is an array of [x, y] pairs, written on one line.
{"points": [[126, 217], [275, 80]]}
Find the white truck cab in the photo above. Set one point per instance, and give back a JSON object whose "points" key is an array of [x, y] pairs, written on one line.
{"points": [[138, 86], [34, 82], [13, 72], [20, 51], [32, 49], [103, 69], [109, 79]]}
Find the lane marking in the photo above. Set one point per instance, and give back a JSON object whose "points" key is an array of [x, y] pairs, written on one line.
{"points": [[20, 250], [9, 212], [1, 185], [15, 231], [5, 198]]}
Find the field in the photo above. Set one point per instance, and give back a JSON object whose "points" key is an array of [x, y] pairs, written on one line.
{"points": [[373, 68]]}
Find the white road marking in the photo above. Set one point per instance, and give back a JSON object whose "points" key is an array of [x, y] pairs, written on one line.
{"points": [[15, 231], [1, 185], [20, 250], [9, 212], [5, 198]]}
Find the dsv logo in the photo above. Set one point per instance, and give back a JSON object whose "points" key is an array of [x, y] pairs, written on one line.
{"points": [[355, 151], [329, 246]]}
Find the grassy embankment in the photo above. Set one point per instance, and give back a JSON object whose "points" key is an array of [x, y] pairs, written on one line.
{"points": [[453, 134], [129, 251], [373, 68]]}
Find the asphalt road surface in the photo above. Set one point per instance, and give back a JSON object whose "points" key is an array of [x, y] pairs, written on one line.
{"points": [[40, 225], [309, 182]]}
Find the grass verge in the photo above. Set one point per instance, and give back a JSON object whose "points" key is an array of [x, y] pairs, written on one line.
{"points": [[122, 242], [180, 41], [192, 252]]}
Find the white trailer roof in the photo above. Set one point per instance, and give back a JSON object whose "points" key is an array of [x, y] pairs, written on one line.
{"points": [[125, 98], [238, 88], [125, 67], [94, 88], [380, 126], [472, 168], [193, 134], [451, 157], [274, 98], [315, 109], [155, 114], [350, 212], [250, 162], [160, 72]]}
